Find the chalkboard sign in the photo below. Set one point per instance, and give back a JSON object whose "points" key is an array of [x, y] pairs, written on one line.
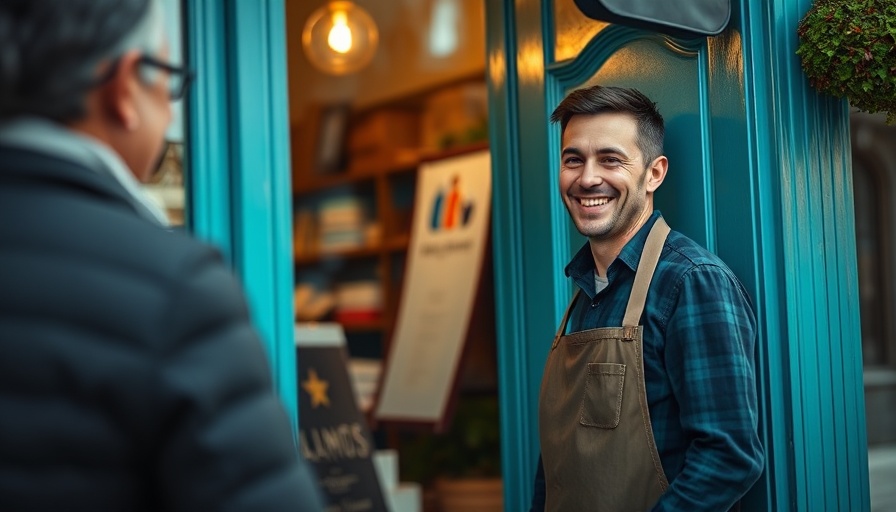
{"points": [[333, 434]]}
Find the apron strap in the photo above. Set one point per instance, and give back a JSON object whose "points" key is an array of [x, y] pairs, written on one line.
{"points": [[562, 328], [650, 256]]}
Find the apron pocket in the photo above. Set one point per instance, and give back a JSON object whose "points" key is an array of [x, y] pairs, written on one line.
{"points": [[602, 402]]}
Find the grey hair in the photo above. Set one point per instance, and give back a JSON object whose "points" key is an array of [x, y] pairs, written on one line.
{"points": [[148, 36], [52, 51]]}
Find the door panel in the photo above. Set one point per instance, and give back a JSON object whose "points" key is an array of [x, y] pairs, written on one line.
{"points": [[670, 76]]}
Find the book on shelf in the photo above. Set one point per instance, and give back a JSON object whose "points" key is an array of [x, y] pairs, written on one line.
{"points": [[342, 223]]}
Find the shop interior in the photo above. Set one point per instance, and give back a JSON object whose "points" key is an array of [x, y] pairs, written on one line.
{"points": [[375, 90]]}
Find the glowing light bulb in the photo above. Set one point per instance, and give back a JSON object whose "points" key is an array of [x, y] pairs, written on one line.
{"points": [[340, 36]]}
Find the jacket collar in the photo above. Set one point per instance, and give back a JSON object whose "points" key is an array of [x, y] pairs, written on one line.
{"points": [[36, 136], [25, 165]]}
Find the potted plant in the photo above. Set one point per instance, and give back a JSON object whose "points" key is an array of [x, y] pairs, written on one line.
{"points": [[848, 49], [462, 465]]}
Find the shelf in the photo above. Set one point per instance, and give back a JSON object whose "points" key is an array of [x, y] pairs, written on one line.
{"points": [[396, 162], [348, 254], [395, 244], [384, 180], [428, 156], [368, 326]]}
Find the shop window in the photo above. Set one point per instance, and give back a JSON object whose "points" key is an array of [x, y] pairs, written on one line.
{"points": [[359, 140], [869, 217], [166, 185]]}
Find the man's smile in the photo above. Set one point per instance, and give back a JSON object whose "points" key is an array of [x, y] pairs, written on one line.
{"points": [[594, 201]]}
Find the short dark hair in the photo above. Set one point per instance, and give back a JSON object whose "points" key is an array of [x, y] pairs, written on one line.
{"points": [[599, 99], [50, 49]]}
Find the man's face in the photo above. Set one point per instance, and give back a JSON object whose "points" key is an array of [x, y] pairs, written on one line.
{"points": [[603, 176], [153, 106]]}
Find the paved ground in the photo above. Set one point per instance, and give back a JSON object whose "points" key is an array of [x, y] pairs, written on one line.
{"points": [[882, 476]]}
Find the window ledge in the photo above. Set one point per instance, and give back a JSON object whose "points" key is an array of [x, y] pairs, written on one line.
{"points": [[879, 377]]}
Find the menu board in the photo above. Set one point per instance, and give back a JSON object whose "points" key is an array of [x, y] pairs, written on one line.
{"points": [[445, 257]]}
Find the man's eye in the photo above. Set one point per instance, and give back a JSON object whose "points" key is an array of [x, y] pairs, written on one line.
{"points": [[572, 161]]}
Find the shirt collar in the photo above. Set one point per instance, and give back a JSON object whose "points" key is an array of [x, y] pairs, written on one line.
{"points": [[581, 268], [631, 252], [48, 137]]}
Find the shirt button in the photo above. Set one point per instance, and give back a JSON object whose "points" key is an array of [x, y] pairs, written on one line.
{"points": [[595, 303]]}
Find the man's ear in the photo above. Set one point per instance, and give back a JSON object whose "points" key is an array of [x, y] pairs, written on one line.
{"points": [[119, 92], [656, 173]]}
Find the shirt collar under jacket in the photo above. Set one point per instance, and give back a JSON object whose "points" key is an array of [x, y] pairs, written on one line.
{"points": [[48, 137], [581, 267]]}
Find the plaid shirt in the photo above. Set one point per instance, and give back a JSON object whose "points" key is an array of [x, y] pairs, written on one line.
{"points": [[699, 335]]}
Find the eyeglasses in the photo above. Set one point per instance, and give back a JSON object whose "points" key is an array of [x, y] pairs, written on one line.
{"points": [[179, 76]]}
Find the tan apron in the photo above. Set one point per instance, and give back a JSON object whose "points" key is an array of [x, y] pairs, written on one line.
{"points": [[596, 440]]}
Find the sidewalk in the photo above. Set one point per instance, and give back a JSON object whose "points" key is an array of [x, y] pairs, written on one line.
{"points": [[882, 477]]}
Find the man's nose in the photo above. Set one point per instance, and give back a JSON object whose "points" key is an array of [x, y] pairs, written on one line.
{"points": [[591, 175]]}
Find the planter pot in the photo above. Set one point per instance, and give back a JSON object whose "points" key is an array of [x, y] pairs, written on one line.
{"points": [[470, 494]]}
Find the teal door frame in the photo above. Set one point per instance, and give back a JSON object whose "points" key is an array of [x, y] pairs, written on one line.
{"points": [[800, 157], [238, 160], [787, 228]]}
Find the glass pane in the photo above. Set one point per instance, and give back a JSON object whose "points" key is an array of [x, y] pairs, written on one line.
{"points": [[867, 212], [166, 185], [572, 30], [358, 138]]}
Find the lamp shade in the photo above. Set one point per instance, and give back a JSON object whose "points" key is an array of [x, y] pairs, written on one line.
{"points": [[340, 38]]}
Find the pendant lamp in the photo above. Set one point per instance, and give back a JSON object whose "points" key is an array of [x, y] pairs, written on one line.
{"points": [[340, 38]]}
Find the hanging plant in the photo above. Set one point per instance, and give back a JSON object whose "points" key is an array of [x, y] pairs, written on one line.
{"points": [[848, 49]]}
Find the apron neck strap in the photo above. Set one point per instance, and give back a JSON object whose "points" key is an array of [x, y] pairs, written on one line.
{"points": [[650, 256], [562, 328]]}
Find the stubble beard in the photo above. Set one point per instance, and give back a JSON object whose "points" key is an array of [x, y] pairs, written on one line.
{"points": [[621, 219]]}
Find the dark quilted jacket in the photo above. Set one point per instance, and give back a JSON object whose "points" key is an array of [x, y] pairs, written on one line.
{"points": [[130, 376]]}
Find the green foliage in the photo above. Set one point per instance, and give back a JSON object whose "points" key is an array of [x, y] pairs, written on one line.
{"points": [[470, 448], [848, 49]]}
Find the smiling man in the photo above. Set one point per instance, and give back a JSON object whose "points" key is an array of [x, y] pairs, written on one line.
{"points": [[648, 399]]}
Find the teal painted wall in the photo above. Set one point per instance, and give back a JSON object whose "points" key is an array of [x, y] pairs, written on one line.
{"points": [[806, 275], [756, 160]]}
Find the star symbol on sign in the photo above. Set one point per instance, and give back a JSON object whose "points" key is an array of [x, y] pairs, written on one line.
{"points": [[317, 389]]}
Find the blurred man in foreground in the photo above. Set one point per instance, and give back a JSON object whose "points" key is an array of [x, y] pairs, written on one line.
{"points": [[130, 375]]}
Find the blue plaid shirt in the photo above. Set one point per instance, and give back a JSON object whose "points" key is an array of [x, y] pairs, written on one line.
{"points": [[699, 336]]}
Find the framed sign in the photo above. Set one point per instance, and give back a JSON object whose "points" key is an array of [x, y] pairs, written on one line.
{"points": [[329, 155], [448, 238]]}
